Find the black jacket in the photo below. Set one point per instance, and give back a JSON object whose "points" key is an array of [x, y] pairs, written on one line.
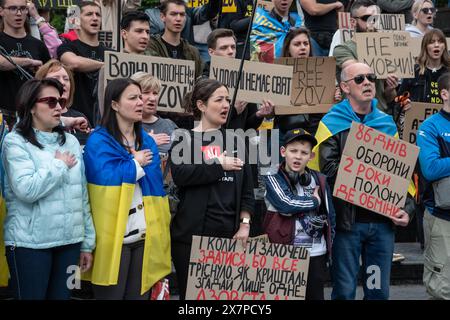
{"points": [[194, 183], [330, 152]]}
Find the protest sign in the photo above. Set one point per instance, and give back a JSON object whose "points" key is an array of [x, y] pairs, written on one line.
{"points": [[220, 269], [344, 20], [266, 5], [346, 34], [415, 116], [313, 85], [375, 170], [386, 53], [106, 38], [388, 22], [176, 76], [56, 4], [258, 80]]}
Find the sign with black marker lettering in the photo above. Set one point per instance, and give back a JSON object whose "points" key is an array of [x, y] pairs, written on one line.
{"points": [[386, 53], [176, 76], [375, 170], [258, 80], [106, 38], [313, 85], [415, 116], [220, 269], [56, 4], [388, 22]]}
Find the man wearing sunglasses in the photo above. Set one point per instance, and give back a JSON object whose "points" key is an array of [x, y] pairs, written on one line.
{"points": [[359, 232], [24, 50], [345, 53]]}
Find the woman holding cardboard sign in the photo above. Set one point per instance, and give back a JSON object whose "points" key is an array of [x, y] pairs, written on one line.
{"points": [[298, 45], [215, 186]]}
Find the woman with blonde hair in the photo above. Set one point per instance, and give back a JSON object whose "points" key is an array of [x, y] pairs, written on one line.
{"points": [[158, 128], [57, 70], [423, 12]]}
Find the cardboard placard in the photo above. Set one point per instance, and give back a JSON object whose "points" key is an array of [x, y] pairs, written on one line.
{"points": [[220, 269], [176, 76], [313, 85], [266, 5], [389, 22], [258, 80], [56, 4], [415, 116], [375, 170], [386, 52], [346, 34], [344, 20], [106, 38]]}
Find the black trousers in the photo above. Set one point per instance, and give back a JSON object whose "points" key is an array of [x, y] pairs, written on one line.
{"points": [[181, 253], [317, 275]]}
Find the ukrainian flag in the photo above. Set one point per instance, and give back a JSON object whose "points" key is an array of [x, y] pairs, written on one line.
{"points": [[111, 176], [4, 271], [339, 118]]}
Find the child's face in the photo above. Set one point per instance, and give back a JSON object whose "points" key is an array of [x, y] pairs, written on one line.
{"points": [[297, 154]]}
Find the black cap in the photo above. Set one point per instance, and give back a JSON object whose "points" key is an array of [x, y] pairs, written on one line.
{"points": [[299, 134]]}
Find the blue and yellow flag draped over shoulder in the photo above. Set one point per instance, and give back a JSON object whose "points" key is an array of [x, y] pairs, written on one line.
{"points": [[4, 272], [268, 34], [339, 118], [111, 176]]}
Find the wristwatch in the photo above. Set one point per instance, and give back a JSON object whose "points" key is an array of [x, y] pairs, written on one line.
{"points": [[245, 220]]}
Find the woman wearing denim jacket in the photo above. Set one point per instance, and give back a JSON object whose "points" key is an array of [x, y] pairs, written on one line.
{"points": [[48, 229]]}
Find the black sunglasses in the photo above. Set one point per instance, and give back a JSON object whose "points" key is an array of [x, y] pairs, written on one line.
{"points": [[364, 18], [360, 78], [428, 10], [53, 101]]}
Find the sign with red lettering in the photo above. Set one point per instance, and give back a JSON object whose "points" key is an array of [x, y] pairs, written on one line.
{"points": [[344, 20], [220, 269], [415, 116], [375, 170]]}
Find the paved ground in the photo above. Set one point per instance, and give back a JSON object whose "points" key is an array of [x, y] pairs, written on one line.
{"points": [[397, 292]]}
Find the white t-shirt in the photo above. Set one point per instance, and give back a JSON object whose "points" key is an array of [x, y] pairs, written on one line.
{"points": [[316, 246]]}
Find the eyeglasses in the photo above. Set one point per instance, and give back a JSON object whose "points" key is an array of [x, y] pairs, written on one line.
{"points": [[428, 10], [53, 101], [364, 18], [16, 9], [360, 78]]}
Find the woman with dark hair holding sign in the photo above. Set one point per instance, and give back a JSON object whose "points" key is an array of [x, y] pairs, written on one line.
{"points": [[215, 188], [433, 61], [298, 45]]}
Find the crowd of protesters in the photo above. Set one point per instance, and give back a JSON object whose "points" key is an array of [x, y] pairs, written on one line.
{"points": [[86, 175]]}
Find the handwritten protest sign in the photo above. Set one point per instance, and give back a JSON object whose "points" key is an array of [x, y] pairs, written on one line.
{"points": [[266, 5], [56, 4], [386, 53], [344, 21], [313, 85], [375, 170], [220, 269], [106, 38], [414, 118], [388, 22], [176, 76], [258, 80]]}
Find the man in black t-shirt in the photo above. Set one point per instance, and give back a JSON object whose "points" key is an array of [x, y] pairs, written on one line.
{"points": [[170, 44], [85, 56], [26, 51]]}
